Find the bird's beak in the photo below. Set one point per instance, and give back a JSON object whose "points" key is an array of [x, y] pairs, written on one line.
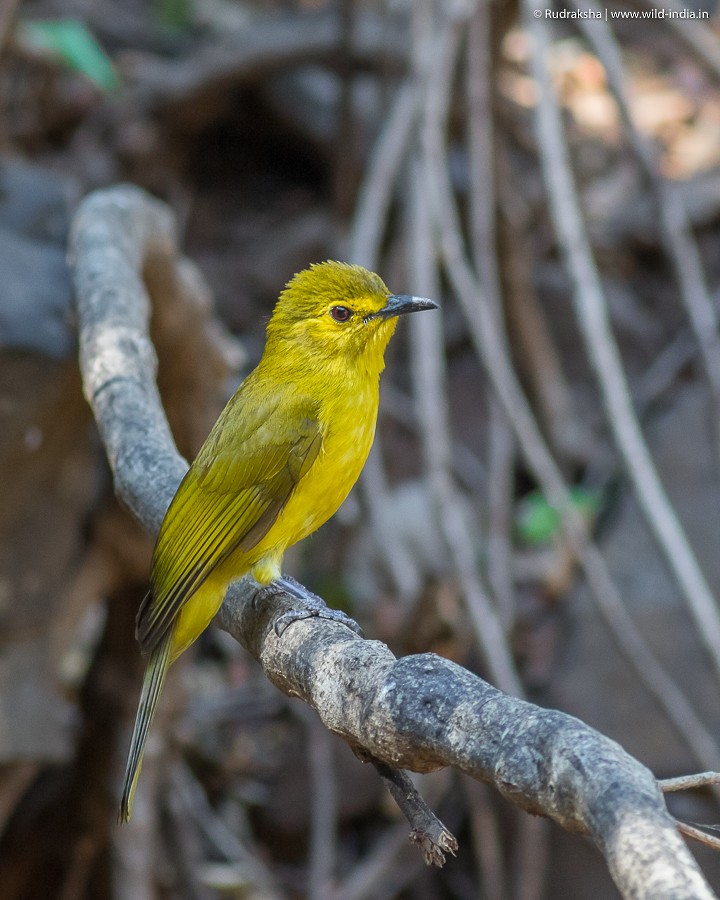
{"points": [[399, 304]]}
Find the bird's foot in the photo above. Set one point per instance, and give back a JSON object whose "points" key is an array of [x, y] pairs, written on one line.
{"points": [[266, 592], [312, 606]]}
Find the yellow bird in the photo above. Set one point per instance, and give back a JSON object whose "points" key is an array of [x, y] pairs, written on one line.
{"points": [[278, 463]]}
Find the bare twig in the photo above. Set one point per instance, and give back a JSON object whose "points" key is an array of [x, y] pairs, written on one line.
{"points": [[428, 831], [384, 871], [501, 448], [467, 465], [429, 381], [687, 782], [697, 834], [530, 858], [603, 464], [664, 369], [196, 806], [535, 350], [422, 711], [374, 200], [396, 557], [345, 156], [488, 846], [377, 189], [324, 806], [428, 362]]}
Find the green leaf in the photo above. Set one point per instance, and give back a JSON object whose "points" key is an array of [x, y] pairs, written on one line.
{"points": [[71, 41], [537, 522], [177, 14]]}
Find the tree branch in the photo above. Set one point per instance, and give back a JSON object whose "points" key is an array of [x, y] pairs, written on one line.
{"points": [[421, 712]]}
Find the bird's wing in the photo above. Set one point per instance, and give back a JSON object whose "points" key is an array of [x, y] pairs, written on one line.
{"points": [[228, 501]]}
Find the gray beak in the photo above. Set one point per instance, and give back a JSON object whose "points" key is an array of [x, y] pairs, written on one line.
{"points": [[399, 304]]}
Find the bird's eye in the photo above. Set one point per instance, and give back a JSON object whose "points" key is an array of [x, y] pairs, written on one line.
{"points": [[340, 313]]}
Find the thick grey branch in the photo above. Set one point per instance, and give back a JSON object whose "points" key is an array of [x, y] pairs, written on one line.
{"points": [[420, 712], [114, 233]]}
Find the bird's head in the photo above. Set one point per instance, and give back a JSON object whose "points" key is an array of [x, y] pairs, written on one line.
{"points": [[340, 311]]}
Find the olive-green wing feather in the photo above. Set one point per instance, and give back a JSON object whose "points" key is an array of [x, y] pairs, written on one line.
{"points": [[231, 496]]}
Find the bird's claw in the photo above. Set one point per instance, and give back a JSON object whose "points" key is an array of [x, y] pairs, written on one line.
{"points": [[309, 605], [266, 592], [314, 609]]}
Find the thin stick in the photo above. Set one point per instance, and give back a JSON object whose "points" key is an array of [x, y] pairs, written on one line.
{"points": [[376, 191], [535, 350], [196, 806], [530, 859], [697, 834], [688, 782], [467, 466], [428, 831], [429, 377], [501, 449], [397, 558], [323, 805], [373, 205], [383, 871], [488, 845]]}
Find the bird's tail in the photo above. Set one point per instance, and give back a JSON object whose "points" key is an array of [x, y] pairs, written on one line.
{"points": [[153, 681]]}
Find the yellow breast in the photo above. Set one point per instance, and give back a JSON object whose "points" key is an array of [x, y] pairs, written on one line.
{"points": [[351, 419], [349, 416]]}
